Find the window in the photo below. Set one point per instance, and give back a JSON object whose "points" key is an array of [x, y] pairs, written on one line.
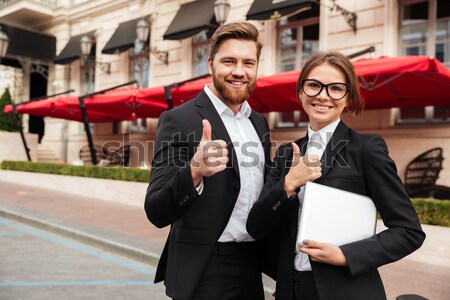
{"points": [[414, 29], [423, 115], [139, 64], [442, 51], [139, 71], [200, 53], [298, 38], [416, 38]]}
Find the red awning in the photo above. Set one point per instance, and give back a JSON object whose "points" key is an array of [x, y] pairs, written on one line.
{"points": [[123, 104], [275, 93], [62, 108], [112, 106], [408, 81], [405, 81], [180, 94]]}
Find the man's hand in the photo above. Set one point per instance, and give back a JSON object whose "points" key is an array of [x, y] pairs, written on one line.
{"points": [[303, 169], [210, 158], [325, 253]]}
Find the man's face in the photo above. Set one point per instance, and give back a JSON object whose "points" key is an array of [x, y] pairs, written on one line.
{"points": [[234, 71]]}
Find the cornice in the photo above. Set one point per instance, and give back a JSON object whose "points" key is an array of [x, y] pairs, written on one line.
{"points": [[89, 8]]}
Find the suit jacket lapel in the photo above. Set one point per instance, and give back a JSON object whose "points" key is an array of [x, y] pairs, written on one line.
{"points": [[335, 145], [208, 111], [302, 144]]}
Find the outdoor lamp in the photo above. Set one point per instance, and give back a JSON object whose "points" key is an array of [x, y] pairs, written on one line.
{"points": [[4, 43], [142, 32], [86, 45], [221, 10]]}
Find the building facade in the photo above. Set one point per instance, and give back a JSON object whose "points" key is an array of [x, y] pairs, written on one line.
{"points": [[179, 31]]}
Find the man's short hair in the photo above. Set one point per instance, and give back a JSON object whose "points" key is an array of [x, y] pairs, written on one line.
{"points": [[236, 30]]}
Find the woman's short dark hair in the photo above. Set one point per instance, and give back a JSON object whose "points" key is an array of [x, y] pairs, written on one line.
{"points": [[236, 30], [341, 62]]}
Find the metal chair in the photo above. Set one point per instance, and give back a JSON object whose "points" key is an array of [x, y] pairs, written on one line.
{"points": [[117, 156], [422, 172], [85, 154]]}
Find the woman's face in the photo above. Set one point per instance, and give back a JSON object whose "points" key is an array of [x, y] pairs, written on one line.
{"points": [[321, 109]]}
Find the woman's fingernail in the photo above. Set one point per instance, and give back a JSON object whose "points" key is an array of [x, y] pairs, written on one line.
{"points": [[306, 242]]}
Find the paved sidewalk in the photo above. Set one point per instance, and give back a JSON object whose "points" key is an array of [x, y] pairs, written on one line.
{"points": [[124, 229], [116, 227]]}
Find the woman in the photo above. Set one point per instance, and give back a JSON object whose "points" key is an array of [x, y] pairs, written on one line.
{"points": [[350, 161]]}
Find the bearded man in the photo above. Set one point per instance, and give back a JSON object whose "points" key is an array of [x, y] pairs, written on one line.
{"points": [[210, 159]]}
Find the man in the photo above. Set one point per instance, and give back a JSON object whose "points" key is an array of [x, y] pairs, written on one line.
{"points": [[208, 170]]}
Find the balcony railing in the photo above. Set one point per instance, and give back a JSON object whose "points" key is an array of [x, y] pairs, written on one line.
{"points": [[49, 3]]}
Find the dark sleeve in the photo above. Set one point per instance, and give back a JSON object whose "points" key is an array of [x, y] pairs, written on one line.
{"points": [[404, 233], [171, 189], [272, 204]]}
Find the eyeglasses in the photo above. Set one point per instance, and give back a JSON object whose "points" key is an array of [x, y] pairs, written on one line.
{"points": [[335, 90]]}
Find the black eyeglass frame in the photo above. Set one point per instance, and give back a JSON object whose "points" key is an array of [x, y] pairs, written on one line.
{"points": [[322, 85]]}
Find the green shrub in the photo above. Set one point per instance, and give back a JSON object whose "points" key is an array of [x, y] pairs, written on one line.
{"points": [[432, 211], [114, 173], [7, 121]]}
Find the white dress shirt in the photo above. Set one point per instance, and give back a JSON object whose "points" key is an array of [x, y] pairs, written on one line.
{"points": [[317, 147], [250, 157]]}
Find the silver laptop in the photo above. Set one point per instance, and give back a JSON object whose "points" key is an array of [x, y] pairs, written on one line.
{"points": [[334, 216]]}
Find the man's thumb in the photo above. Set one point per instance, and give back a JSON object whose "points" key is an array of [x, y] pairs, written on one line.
{"points": [[206, 136]]}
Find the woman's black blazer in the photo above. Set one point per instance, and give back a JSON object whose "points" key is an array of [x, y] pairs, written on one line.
{"points": [[353, 162]]}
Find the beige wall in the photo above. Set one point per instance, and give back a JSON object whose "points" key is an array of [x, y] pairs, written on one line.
{"points": [[336, 33], [11, 147], [407, 143]]}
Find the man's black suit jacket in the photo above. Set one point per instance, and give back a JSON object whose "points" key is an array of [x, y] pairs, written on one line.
{"points": [[197, 221], [356, 163]]}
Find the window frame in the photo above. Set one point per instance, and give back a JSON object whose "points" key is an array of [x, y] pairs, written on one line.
{"points": [[195, 45], [297, 120], [299, 49]]}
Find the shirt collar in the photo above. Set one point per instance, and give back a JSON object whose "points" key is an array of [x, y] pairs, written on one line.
{"points": [[325, 133], [222, 108]]}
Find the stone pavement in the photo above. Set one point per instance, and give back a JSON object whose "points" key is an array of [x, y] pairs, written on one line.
{"points": [[37, 264], [124, 229]]}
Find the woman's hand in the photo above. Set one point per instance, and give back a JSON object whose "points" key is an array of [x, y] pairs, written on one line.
{"points": [[303, 169], [325, 253]]}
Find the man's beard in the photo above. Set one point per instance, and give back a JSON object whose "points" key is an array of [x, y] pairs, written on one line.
{"points": [[230, 95]]}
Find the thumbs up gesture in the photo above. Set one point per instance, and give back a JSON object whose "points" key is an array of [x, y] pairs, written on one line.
{"points": [[210, 158], [303, 169]]}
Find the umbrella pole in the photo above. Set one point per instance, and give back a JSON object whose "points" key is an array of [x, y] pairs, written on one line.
{"points": [[88, 130], [19, 124], [168, 95], [168, 89]]}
